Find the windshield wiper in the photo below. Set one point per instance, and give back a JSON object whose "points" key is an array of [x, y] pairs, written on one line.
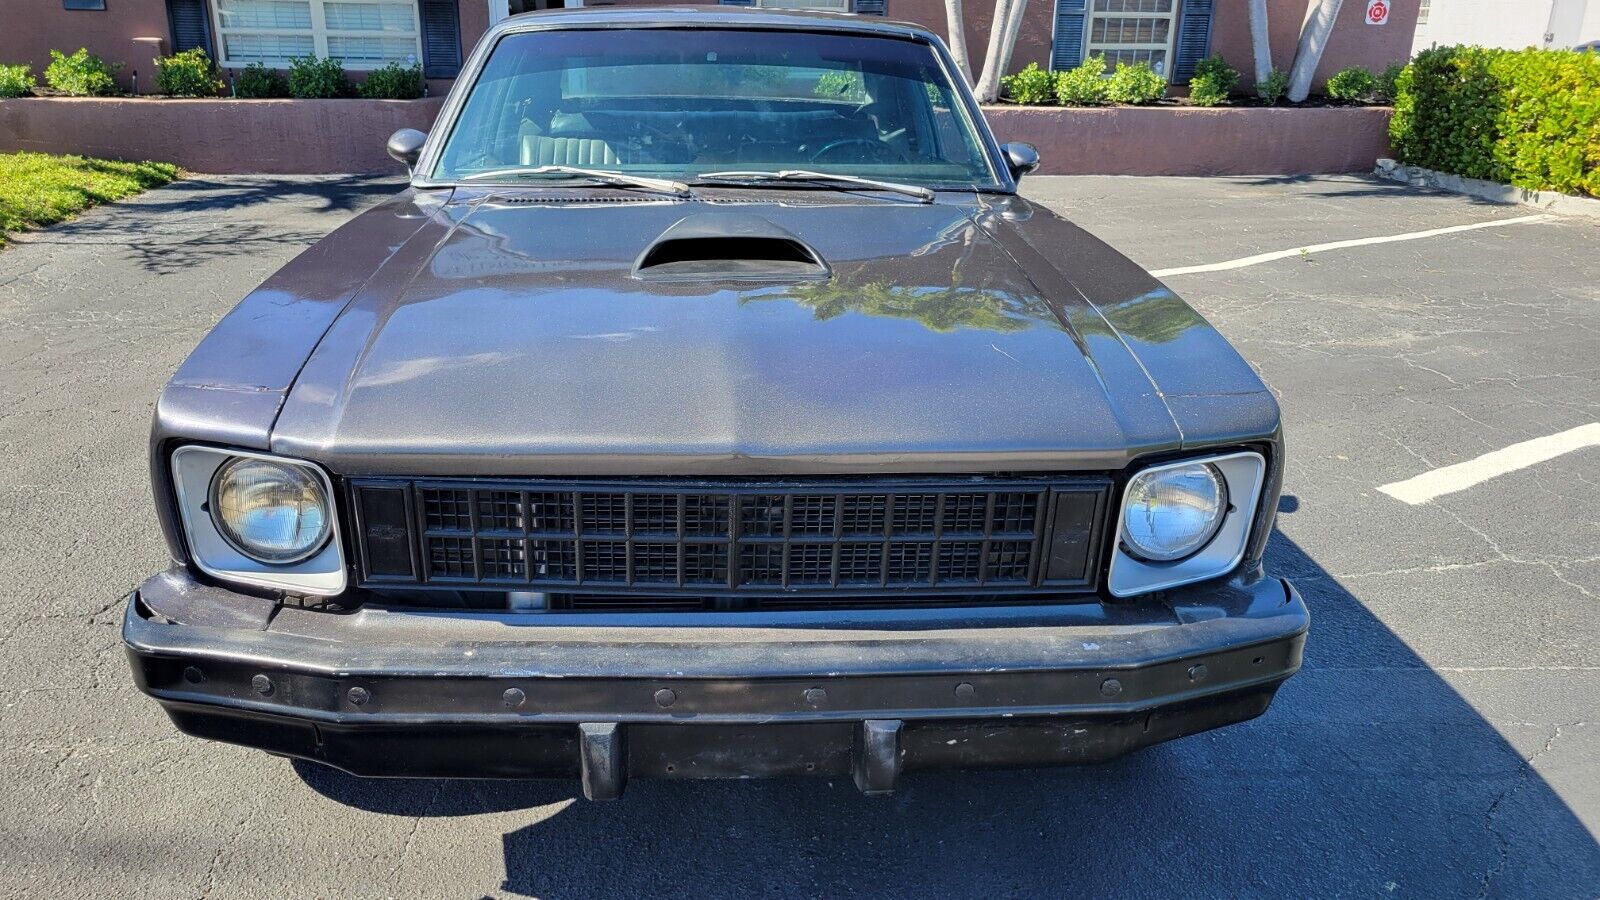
{"points": [[662, 185], [910, 190]]}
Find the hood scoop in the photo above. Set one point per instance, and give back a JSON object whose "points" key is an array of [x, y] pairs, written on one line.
{"points": [[722, 245]]}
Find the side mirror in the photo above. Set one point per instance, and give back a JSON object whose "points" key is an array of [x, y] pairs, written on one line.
{"points": [[1020, 158], [405, 146]]}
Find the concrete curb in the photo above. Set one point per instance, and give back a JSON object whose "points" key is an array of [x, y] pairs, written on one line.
{"points": [[1493, 191]]}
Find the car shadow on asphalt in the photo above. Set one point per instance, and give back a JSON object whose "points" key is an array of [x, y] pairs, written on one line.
{"points": [[1370, 774]]}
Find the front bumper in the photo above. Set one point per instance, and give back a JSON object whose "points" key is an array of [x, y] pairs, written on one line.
{"points": [[867, 693]]}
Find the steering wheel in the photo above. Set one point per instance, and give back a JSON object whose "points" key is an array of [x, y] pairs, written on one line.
{"points": [[877, 151], [671, 145]]}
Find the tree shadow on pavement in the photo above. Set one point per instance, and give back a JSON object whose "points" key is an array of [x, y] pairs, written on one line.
{"points": [[180, 228], [320, 193], [1369, 775]]}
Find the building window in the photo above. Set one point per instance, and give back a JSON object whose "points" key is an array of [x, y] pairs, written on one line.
{"points": [[84, 4], [832, 5], [1422, 12], [1130, 31], [361, 34]]}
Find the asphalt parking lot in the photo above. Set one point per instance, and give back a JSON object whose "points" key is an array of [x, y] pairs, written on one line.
{"points": [[1443, 738]]}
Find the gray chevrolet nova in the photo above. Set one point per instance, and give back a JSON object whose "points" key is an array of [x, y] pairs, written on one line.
{"points": [[711, 405]]}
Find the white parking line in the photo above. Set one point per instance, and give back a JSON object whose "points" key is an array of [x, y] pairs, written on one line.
{"points": [[1340, 245], [1463, 475]]}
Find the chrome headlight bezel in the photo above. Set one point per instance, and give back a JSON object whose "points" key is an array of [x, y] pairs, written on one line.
{"points": [[1244, 476], [1217, 512], [318, 572]]}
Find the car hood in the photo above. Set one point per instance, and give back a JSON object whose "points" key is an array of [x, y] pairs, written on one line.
{"points": [[512, 335]]}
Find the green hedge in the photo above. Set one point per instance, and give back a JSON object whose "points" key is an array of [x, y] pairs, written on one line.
{"points": [[1530, 118]]}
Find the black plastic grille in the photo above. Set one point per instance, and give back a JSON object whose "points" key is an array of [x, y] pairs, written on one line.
{"points": [[849, 537]]}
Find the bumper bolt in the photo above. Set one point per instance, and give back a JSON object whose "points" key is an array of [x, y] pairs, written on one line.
{"points": [[1110, 687], [193, 675], [262, 685], [965, 690], [514, 697], [1197, 672], [816, 696], [359, 695], [665, 697]]}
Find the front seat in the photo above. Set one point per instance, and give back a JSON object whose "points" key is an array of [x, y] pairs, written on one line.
{"points": [[542, 150]]}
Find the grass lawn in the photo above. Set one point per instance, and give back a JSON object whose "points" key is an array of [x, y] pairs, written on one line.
{"points": [[37, 189]]}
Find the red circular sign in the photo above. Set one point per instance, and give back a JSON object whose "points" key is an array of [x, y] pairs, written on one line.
{"points": [[1377, 12]]}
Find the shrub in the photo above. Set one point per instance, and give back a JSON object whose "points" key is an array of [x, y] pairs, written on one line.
{"points": [[1548, 130], [1084, 85], [1351, 83], [1384, 89], [16, 81], [1136, 85], [311, 78], [81, 75], [187, 74], [257, 81], [1032, 85], [393, 82], [1527, 117], [1213, 80], [1273, 89]]}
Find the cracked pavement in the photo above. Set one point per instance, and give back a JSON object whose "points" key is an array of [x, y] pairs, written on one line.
{"points": [[1442, 739]]}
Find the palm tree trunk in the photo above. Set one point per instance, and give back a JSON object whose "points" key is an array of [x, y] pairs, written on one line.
{"points": [[1320, 16], [1013, 28], [1260, 40], [956, 23], [989, 80]]}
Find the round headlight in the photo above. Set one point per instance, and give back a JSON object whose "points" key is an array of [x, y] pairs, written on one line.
{"points": [[271, 512], [1171, 513]]}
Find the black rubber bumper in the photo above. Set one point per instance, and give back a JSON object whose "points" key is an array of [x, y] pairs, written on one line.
{"points": [[390, 693]]}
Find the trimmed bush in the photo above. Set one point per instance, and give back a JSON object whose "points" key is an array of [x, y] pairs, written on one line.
{"points": [[1351, 83], [1084, 85], [1385, 88], [16, 81], [257, 82], [1527, 117], [393, 82], [1135, 85], [187, 74], [81, 75], [1273, 89], [1032, 85], [1212, 82], [1548, 131], [311, 78]]}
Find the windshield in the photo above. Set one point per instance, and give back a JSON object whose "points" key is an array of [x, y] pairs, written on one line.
{"points": [[677, 104]]}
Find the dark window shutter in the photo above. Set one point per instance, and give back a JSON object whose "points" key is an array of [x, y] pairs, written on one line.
{"points": [[191, 27], [1066, 51], [872, 7], [441, 39], [1194, 39]]}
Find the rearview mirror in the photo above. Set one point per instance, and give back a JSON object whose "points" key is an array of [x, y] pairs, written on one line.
{"points": [[1020, 158], [405, 146]]}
